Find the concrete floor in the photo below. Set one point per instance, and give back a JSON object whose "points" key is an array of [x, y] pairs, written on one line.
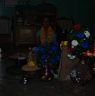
{"points": [[11, 85]]}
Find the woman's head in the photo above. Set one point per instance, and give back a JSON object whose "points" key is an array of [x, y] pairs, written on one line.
{"points": [[46, 22]]}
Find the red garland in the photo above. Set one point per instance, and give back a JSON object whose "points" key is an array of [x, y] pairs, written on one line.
{"points": [[76, 27], [69, 49]]}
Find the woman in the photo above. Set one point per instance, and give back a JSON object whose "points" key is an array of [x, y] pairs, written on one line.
{"points": [[49, 51]]}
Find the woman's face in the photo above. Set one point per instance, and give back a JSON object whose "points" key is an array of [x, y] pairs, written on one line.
{"points": [[46, 22]]}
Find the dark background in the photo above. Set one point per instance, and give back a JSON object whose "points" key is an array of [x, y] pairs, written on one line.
{"points": [[81, 11]]}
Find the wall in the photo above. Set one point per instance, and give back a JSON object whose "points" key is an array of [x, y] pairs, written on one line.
{"points": [[80, 10]]}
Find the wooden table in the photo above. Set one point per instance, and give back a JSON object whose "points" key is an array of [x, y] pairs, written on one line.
{"points": [[19, 61]]}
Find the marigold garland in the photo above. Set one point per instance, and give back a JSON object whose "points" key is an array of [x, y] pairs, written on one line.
{"points": [[50, 33]]}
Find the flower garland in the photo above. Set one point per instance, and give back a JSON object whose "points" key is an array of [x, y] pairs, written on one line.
{"points": [[49, 36], [42, 35], [79, 39]]}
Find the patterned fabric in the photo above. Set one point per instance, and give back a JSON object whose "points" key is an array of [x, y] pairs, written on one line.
{"points": [[49, 54]]}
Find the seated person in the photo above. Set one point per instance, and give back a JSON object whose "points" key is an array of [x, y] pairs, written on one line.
{"points": [[48, 48]]}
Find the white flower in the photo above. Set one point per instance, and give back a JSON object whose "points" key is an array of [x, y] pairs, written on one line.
{"points": [[72, 46], [87, 33], [71, 56], [73, 73], [74, 43]]}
